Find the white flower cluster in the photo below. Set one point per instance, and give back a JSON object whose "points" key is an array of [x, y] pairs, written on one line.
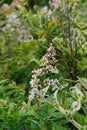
{"points": [[16, 27], [49, 57], [55, 40], [12, 22], [46, 66], [51, 82], [51, 69], [56, 3], [4, 8], [45, 9], [33, 94], [45, 70], [34, 82]]}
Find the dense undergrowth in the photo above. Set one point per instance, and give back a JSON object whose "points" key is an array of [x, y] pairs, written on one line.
{"points": [[43, 66]]}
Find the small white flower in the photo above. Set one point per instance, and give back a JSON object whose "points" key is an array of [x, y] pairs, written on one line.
{"points": [[45, 69]]}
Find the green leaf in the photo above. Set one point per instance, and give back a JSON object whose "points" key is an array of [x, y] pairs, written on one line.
{"points": [[77, 125], [83, 81], [4, 81], [56, 115], [58, 127]]}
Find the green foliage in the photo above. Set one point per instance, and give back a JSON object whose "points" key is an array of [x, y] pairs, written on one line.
{"points": [[35, 92]]}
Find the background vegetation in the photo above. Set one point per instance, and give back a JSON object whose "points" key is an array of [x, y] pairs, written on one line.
{"points": [[43, 65]]}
